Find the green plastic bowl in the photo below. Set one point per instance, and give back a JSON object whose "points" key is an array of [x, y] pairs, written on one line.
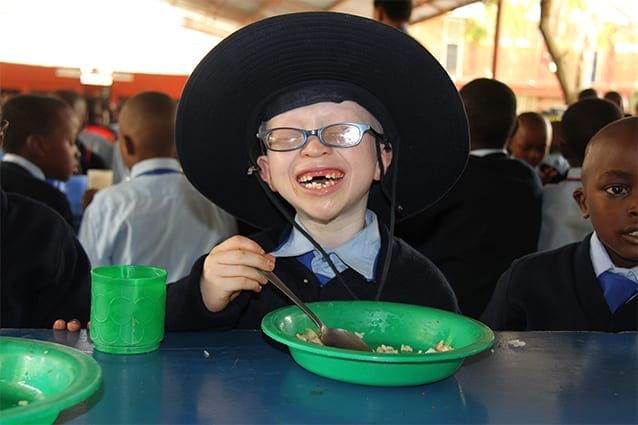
{"points": [[40, 379], [381, 323]]}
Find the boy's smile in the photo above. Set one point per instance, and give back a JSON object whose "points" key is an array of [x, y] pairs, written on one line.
{"points": [[320, 179]]}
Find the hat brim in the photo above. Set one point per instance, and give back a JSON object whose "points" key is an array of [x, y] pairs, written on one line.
{"points": [[219, 110]]}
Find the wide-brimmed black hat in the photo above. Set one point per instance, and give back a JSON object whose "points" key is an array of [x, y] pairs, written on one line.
{"points": [[399, 81]]}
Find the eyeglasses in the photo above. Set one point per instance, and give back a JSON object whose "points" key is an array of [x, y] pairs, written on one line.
{"points": [[341, 135]]}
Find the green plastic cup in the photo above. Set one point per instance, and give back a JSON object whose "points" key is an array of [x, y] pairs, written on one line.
{"points": [[128, 303]]}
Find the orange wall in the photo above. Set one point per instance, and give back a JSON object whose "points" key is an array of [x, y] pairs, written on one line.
{"points": [[27, 78]]}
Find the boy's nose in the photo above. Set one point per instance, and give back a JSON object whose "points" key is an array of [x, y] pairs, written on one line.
{"points": [[314, 147]]}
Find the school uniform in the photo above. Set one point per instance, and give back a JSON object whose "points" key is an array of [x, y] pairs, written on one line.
{"points": [[490, 217], [556, 291], [16, 177], [45, 274], [412, 279]]}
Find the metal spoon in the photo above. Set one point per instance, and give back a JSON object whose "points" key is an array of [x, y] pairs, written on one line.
{"points": [[333, 337]]}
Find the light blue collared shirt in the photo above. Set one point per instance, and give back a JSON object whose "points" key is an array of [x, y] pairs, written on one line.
{"points": [[359, 253], [22, 161], [156, 219], [148, 166], [487, 151], [602, 263]]}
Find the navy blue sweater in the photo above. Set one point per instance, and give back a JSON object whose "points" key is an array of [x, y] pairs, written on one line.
{"points": [[412, 279]]}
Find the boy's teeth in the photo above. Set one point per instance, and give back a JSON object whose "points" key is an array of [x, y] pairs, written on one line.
{"points": [[327, 176], [320, 181], [319, 185]]}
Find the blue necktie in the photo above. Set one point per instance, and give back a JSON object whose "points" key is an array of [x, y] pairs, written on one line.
{"points": [[617, 289]]}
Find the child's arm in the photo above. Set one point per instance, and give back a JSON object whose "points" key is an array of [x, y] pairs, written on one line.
{"points": [[231, 268]]}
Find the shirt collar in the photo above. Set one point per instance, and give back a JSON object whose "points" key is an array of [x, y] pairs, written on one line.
{"points": [[485, 152], [149, 165], [359, 253], [602, 263], [22, 161]]}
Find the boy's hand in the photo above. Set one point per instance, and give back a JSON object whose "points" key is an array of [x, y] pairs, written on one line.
{"points": [[231, 268], [548, 175], [72, 325]]}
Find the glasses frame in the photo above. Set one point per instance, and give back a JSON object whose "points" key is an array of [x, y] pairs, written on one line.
{"points": [[318, 133]]}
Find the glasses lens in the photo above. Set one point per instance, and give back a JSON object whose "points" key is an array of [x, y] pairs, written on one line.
{"points": [[342, 135], [282, 139]]}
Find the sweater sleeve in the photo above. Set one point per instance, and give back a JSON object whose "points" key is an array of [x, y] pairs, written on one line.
{"points": [[71, 291], [45, 272], [501, 313]]}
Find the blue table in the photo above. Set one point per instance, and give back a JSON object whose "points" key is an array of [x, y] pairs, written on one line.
{"points": [[242, 377]]}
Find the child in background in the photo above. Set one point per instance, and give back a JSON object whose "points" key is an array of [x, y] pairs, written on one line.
{"points": [[531, 140], [290, 125], [568, 288], [395, 13], [553, 168], [156, 217], [561, 221], [39, 144], [469, 233]]}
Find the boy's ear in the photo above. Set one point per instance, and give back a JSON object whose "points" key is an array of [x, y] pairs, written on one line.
{"points": [[386, 160], [35, 146], [128, 145], [264, 170], [581, 200]]}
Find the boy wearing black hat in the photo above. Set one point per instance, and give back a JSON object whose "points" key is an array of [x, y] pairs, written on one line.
{"points": [[309, 133]]}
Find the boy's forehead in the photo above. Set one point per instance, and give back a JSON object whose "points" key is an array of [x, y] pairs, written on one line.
{"points": [[347, 108], [623, 133], [616, 148]]}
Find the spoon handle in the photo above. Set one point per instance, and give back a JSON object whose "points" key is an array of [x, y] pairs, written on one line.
{"points": [[283, 288]]}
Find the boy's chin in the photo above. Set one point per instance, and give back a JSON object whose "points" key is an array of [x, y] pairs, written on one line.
{"points": [[624, 257]]}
